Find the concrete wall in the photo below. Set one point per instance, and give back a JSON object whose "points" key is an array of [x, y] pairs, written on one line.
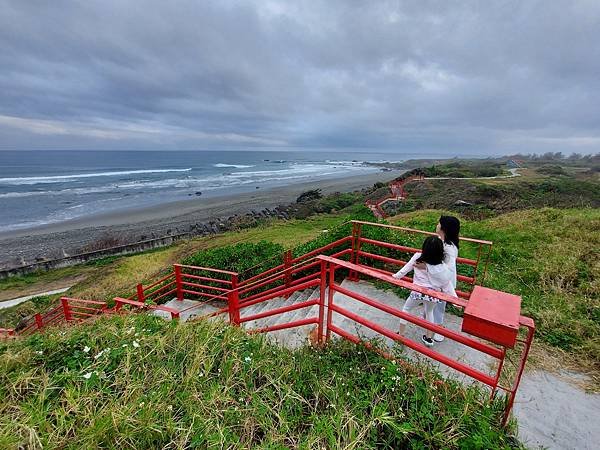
{"points": [[91, 256]]}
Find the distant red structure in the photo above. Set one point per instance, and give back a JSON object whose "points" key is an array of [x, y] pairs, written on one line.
{"points": [[397, 192]]}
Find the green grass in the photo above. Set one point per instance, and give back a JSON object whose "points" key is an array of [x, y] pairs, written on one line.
{"points": [[147, 383]]}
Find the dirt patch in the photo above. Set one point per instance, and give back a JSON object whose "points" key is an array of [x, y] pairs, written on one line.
{"points": [[42, 286]]}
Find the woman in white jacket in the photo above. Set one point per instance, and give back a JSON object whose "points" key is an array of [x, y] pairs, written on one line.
{"points": [[448, 229], [431, 272]]}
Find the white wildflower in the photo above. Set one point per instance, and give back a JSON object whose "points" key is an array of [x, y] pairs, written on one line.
{"points": [[136, 344], [247, 359], [99, 354], [86, 349], [40, 352], [88, 375], [142, 404]]}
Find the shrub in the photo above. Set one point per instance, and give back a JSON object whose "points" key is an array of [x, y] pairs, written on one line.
{"points": [[246, 258]]}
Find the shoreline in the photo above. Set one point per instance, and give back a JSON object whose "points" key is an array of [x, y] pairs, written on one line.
{"points": [[27, 246]]}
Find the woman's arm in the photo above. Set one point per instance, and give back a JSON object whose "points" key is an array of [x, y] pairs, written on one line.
{"points": [[450, 254], [409, 266]]}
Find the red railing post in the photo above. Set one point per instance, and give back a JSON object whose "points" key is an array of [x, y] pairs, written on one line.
{"points": [[178, 281], [322, 288], [513, 392], [287, 267], [356, 234], [140, 293], [330, 300], [38, 320], [66, 309], [233, 302]]}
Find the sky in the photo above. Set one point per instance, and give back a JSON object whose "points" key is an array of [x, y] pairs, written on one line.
{"points": [[455, 77]]}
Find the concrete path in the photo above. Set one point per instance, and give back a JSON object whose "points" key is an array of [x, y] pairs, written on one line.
{"points": [[16, 301]]}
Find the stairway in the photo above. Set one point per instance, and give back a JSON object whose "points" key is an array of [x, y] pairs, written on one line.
{"points": [[296, 337], [291, 337]]}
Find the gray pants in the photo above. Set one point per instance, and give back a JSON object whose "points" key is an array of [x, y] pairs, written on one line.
{"points": [[438, 313]]}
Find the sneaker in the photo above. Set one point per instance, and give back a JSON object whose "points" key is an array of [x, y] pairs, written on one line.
{"points": [[427, 341], [438, 337]]}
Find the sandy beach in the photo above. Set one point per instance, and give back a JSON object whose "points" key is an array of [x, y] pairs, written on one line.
{"points": [[21, 247]]}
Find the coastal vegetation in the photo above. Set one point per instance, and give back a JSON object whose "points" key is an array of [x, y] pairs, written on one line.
{"points": [[139, 382]]}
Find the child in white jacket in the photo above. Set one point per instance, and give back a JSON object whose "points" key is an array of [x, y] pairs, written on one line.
{"points": [[434, 275]]}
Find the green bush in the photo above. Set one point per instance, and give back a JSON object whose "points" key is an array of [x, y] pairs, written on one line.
{"points": [[246, 258]]}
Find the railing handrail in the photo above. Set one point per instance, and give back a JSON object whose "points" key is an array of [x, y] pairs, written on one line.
{"points": [[412, 230], [245, 287], [395, 281], [209, 269]]}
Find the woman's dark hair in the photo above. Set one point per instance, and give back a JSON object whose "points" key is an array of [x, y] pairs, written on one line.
{"points": [[450, 225], [432, 251]]}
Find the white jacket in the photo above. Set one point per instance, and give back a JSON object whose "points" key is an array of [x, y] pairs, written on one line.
{"points": [[438, 277], [450, 255]]}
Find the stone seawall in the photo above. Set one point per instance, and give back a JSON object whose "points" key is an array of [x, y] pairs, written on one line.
{"points": [[92, 256]]}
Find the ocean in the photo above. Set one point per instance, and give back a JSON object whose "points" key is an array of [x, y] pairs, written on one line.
{"points": [[44, 187]]}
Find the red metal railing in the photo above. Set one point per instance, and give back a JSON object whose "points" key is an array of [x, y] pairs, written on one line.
{"points": [[482, 249], [7, 332], [330, 265], [308, 271]]}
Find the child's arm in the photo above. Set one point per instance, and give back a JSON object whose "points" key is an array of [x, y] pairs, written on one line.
{"points": [[409, 266]]}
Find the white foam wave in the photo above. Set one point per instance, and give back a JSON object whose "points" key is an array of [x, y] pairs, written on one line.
{"points": [[63, 178], [345, 163], [300, 171], [235, 166]]}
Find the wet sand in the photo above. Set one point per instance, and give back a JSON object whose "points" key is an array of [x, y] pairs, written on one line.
{"points": [[21, 247]]}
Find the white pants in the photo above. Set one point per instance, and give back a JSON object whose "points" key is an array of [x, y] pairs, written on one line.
{"points": [[414, 300], [438, 313]]}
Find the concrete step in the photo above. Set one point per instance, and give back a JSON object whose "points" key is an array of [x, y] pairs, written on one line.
{"points": [[296, 314], [200, 309]]}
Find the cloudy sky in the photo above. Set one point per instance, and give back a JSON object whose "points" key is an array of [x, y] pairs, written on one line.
{"points": [[457, 77]]}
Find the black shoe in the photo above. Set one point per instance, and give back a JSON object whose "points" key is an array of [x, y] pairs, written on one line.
{"points": [[427, 341]]}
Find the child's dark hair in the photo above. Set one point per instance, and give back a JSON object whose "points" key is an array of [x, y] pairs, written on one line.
{"points": [[432, 251], [450, 225]]}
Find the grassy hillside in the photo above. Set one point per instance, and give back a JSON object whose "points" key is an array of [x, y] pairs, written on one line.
{"points": [[549, 256], [140, 382]]}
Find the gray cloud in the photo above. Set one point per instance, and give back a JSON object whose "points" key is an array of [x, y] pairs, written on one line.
{"points": [[403, 75]]}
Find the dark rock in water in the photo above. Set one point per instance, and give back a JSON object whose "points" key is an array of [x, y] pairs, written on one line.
{"points": [[257, 187], [189, 195], [266, 160], [198, 193]]}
